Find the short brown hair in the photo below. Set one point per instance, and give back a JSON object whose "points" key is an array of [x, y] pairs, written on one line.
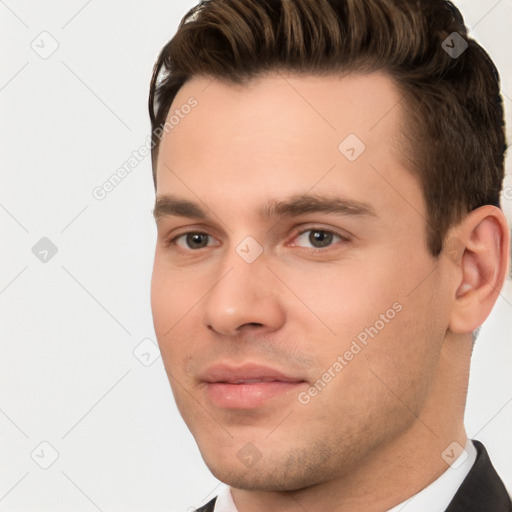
{"points": [[455, 124]]}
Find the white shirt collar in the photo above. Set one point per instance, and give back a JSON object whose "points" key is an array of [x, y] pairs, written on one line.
{"points": [[437, 496], [434, 498], [224, 502]]}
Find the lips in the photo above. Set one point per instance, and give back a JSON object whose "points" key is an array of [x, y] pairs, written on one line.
{"points": [[247, 387], [246, 373]]}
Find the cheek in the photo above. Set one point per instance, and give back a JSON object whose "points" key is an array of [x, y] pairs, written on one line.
{"points": [[171, 303], [375, 312], [377, 370], [173, 296], [161, 300], [346, 298]]}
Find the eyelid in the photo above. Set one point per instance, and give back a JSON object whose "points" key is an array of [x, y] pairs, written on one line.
{"points": [[344, 237], [187, 230], [171, 239]]}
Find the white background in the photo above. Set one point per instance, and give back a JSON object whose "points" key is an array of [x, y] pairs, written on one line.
{"points": [[68, 374]]}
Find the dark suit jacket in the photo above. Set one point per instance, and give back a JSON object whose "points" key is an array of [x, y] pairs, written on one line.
{"points": [[481, 491]]}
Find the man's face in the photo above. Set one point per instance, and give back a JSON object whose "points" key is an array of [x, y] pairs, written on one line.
{"points": [[298, 339]]}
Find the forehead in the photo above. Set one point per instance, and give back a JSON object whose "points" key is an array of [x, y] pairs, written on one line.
{"points": [[282, 132], [333, 103]]}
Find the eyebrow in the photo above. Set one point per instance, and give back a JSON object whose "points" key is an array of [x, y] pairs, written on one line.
{"points": [[294, 206]]}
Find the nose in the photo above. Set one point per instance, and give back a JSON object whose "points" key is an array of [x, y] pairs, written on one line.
{"points": [[245, 297]]}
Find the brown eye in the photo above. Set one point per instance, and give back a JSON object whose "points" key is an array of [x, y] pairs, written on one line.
{"points": [[192, 240], [319, 238], [196, 240]]}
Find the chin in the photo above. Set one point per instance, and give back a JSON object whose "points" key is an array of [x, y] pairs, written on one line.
{"points": [[254, 479], [280, 472]]}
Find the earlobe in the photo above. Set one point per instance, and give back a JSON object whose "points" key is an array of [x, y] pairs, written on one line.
{"points": [[483, 241]]}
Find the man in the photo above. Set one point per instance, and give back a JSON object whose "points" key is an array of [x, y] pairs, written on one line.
{"points": [[327, 177]]}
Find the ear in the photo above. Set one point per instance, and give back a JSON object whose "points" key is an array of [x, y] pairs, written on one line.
{"points": [[478, 249]]}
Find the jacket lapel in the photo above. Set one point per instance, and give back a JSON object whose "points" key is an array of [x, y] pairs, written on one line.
{"points": [[208, 507], [482, 490]]}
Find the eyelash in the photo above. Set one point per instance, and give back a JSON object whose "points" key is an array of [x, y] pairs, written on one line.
{"points": [[343, 239]]}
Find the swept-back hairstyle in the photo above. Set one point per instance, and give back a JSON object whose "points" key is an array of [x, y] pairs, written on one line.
{"points": [[451, 89]]}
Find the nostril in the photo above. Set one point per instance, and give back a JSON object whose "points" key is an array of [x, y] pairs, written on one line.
{"points": [[254, 324]]}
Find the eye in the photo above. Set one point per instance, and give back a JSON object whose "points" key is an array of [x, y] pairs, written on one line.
{"points": [[192, 240], [318, 238]]}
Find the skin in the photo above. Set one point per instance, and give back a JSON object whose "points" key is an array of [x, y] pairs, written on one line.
{"points": [[374, 435]]}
